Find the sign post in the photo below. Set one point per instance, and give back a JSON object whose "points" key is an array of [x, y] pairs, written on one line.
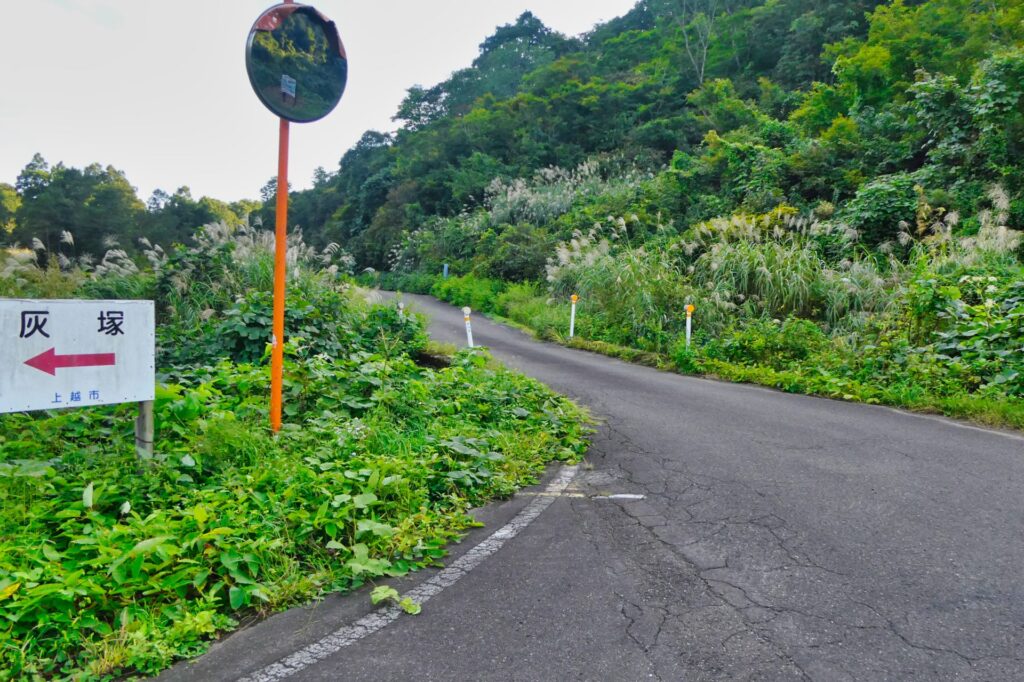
{"points": [[572, 316], [280, 265], [469, 328], [145, 430], [298, 68], [689, 322], [58, 354]]}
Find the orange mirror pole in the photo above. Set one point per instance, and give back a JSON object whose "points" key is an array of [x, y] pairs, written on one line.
{"points": [[280, 263]]}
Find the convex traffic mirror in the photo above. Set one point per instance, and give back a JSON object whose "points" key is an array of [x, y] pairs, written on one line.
{"points": [[296, 62]]}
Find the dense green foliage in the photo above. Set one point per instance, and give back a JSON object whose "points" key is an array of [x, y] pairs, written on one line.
{"points": [[797, 304], [753, 103], [846, 174], [111, 564], [836, 186], [75, 215]]}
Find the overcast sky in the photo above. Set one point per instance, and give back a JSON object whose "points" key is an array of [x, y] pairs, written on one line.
{"points": [[158, 88]]}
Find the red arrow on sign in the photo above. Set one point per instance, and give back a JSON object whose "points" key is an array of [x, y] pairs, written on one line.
{"points": [[50, 362]]}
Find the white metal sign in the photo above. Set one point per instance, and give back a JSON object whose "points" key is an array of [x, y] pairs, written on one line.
{"points": [[288, 85], [56, 354]]}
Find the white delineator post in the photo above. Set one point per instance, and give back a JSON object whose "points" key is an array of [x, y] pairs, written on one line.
{"points": [[401, 310], [469, 329], [689, 323], [572, 316]]}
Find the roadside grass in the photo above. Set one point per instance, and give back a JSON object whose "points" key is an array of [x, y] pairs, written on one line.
{"points": [[808, 376], [113, 566], [996, 412]]}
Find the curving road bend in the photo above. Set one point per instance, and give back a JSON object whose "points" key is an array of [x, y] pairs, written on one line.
{"points": [[777, 537]]}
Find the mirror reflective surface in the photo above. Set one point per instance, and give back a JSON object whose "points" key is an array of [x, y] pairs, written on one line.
{"points": [[296, 62]]}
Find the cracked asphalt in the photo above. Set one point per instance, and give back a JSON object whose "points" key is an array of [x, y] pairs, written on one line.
{"points": [[780, 537]]}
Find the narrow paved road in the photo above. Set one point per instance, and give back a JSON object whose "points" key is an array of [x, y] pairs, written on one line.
{"points": [[779, 537]]}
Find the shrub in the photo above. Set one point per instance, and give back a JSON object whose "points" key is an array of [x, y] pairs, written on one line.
{"points": [[109, 568], [478, 293], [685, 358], [880, 206], [409, 282], [770, 343]]}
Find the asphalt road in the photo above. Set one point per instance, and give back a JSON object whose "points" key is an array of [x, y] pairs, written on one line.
{"points": [[779, 537]]}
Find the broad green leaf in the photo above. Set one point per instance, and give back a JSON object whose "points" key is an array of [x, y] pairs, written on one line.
{"points": [[409, 606], [362, 563], [236, 596], [364, 500], [461, 448], [200, 578], [376, 527], [216, 532], [230, 559], [13, 587], [146, 546], [382, 593], [119, 572], [87, 496]]}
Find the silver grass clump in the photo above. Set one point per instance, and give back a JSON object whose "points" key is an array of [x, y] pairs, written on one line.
{"points": [[15, 264], [154, 254], [584, 249], [994, 241], [252, 248], [552, 191], [337, 260], [115, 262]]}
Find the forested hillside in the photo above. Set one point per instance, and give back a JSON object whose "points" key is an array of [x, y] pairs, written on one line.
{"points": [[834, 186], [753, 104], [730, 105]]}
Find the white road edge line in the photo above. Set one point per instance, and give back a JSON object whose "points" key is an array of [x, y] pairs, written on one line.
{"points": [[371, 623]]}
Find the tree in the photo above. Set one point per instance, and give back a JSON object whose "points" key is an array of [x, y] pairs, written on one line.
{"points": [[157, 200], [92, 204], [421, 107], [9, 202], [514, 51], [697, 19], [34, 177], [175, 218]]}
